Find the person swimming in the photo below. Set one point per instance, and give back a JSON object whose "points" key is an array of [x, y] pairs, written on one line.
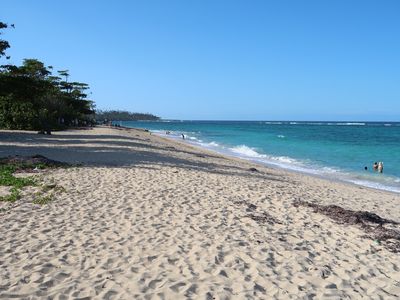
{"points": [[375, 166]]}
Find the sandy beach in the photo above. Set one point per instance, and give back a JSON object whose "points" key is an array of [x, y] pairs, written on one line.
{"points": [[150, 218]]}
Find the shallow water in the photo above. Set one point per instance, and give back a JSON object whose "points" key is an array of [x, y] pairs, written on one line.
{"points": [[337, 150]]}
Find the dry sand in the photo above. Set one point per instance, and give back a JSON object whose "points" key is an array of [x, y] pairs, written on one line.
{"points": [[145, 217]]}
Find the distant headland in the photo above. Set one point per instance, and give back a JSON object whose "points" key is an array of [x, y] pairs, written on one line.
{"points": [[121, 115]]}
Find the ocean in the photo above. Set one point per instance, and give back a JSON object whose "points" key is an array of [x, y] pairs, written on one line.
{"points": [[334, 150]]}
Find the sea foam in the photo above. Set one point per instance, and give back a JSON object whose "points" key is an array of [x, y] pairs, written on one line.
{"points": [[307, 149]]}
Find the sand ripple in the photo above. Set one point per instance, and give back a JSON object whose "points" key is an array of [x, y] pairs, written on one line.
{"points": [[171, 231]]}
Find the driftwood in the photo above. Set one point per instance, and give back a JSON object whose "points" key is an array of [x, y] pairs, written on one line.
{"points": [[369, 222]]}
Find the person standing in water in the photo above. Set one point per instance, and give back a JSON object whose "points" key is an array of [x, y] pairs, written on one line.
{"points": [[380, 167], [375, 166]]}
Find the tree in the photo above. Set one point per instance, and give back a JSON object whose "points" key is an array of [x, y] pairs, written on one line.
{"points": [[119, 115], [32, 98], [4, 45], [44, 100]]}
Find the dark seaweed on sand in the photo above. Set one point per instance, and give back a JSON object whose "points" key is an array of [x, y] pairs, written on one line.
{"points": [[24, 163], [369, 222], [260, 217]]}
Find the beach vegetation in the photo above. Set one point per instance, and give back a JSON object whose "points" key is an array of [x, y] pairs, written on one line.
{"points": [[47, 193], [23, 163], [33, 98], [11, 165], [121, 115], [13, 196], [7, 178], [43, 199], [4, 45]]}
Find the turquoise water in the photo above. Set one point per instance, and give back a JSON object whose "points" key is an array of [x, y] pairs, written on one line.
{"points": [[338, 150]]}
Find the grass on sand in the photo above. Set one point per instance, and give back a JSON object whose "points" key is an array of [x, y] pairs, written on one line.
{"points": [[8, 167]]}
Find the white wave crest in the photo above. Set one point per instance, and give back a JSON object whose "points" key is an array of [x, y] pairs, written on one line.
{"points": [[246, 151], [210, 144], [351, 124], [284, 159]]}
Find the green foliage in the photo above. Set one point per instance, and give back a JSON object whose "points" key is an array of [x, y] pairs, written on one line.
{"points": [[4, 45], [32, 98], [16, 115], [43, 199], [8, 179], [119, 115], [14, 196]]}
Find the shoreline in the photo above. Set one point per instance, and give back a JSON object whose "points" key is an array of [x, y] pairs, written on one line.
{"points": [[388, 189], [146, 216], [227, 156]]}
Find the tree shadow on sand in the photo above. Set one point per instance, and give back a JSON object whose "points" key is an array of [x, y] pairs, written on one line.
{"points": [[106, 151], [101, 140]]}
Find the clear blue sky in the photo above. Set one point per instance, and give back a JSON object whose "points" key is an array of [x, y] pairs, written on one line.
{"points": [[249, 60]]}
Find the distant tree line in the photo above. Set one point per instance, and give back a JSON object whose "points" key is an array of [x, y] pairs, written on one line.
{"points": [[32, 98], [120, 115]]}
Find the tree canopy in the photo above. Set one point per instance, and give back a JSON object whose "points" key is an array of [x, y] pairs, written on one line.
{"points": [[120, 115], [4, 45], [31, 97]]}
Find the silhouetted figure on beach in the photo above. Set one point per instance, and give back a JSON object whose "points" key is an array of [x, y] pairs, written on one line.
{"points": [[183, 136]]}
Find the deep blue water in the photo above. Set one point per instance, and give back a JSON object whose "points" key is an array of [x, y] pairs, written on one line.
{"points": [[338, 150]]}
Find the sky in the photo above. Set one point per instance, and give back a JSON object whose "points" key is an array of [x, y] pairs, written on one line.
{"points": [[220, 60]]}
